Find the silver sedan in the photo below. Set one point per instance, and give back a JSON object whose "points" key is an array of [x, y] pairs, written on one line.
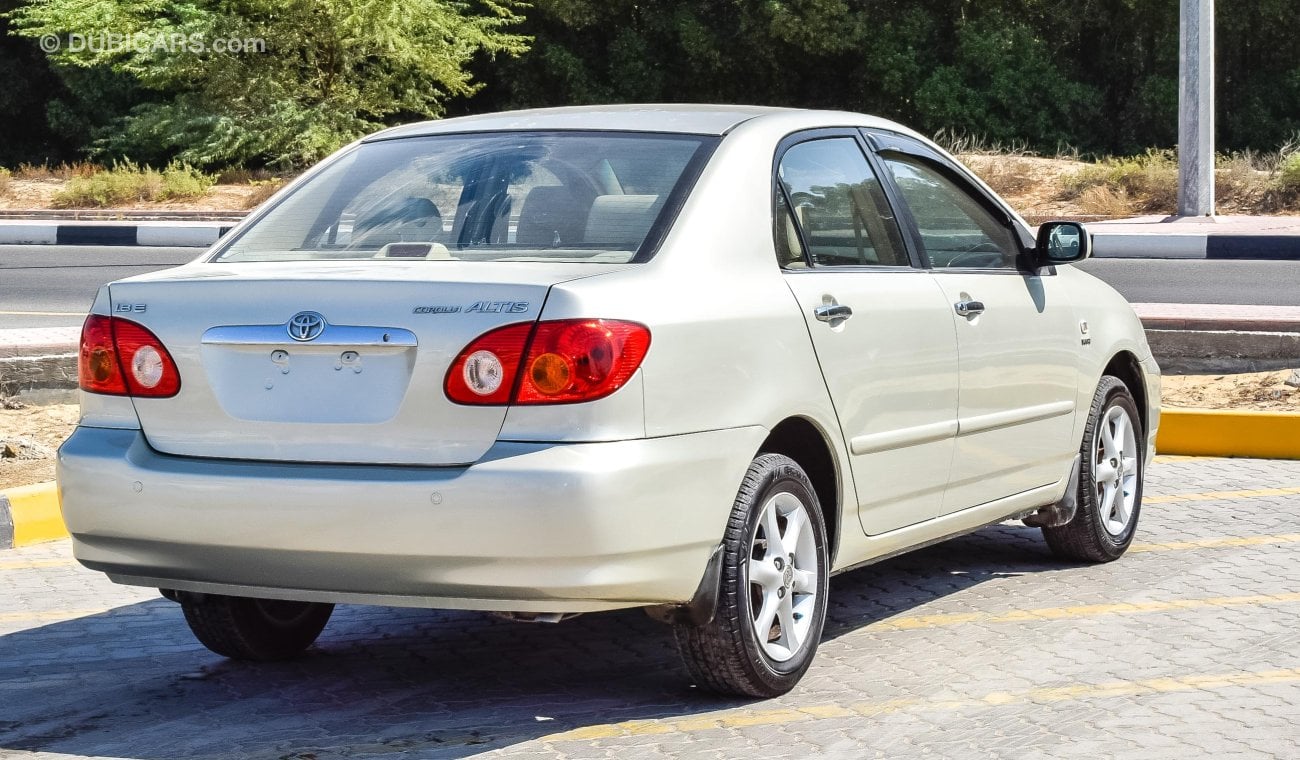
{"points": [[693, 359]]}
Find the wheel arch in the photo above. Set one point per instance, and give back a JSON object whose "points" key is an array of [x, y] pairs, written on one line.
{"points": [[806, 443], [1126, 366]]}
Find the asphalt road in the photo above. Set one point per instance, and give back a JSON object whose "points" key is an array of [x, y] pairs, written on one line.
{"points": [[1259, 283], [51, 286]]}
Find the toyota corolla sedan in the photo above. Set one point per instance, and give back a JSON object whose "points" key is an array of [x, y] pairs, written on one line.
{"points": [[691, 359]]}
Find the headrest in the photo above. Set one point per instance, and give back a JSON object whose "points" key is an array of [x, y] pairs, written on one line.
{"points": [[552, 216], [621, 221]]}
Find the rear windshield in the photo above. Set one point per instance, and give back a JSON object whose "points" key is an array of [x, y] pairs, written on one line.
{"points": [[557, 196]]}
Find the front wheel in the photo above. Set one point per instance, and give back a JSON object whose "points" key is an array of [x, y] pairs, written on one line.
{"points": [[774, 583], [261, 630], [1110, 480]]}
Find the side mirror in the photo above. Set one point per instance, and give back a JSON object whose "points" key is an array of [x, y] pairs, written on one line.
{"points": [[1062, 243]]}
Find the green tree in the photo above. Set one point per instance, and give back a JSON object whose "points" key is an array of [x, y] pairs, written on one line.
{"points": [[51, 113], [329, 71]]}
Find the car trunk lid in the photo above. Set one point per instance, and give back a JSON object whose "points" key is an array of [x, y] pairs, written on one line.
{"points": [[336, 362]]}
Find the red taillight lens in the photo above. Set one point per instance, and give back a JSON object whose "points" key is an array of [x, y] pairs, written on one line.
{"points": [[97, 367], [121, 358], [567, 361], [581, 360]]}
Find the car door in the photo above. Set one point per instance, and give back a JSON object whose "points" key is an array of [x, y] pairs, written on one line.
{"points": [[1017, 335], [880, 325]]}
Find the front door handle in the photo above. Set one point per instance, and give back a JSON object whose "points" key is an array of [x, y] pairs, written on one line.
{"points": [[832, 312], [969, 308]]}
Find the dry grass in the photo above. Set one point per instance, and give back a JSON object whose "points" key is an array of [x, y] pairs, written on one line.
{"points": [[6, 180], [60, 172], [1009, 175], [1105, 201], [262, 190]]}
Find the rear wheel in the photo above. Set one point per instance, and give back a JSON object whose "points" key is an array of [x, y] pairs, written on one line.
{"points": [[1110, 480], [772, 601], [254, 629]]}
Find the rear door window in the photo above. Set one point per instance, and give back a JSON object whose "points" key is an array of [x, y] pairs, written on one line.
{"points": [[838, 206]]}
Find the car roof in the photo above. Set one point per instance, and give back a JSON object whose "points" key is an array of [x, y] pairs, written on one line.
{"points": [[682, 118]]}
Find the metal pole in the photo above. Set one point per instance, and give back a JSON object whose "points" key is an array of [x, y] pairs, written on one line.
{"points": [[1196, 108]]}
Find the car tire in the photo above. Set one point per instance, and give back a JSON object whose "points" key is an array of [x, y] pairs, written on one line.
{"points": [[1110, 480], [786, 585], [260, 630]]}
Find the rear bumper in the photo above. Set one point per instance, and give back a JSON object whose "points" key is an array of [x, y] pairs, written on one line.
{"points": [[531, 527]]}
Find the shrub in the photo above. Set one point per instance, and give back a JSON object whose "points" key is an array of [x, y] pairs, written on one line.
{"points": [[128, 183], [124, 183], [1288, 175], [182, 181], [1150, 181]]}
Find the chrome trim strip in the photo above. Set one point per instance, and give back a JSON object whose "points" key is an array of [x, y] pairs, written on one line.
{"points": [[333, 336]]}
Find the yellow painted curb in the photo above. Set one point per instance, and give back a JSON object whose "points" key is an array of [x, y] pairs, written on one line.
{"points": [[1229, 433], [29, 515]]}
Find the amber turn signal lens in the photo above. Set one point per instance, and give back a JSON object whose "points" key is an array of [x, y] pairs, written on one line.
{"points": [[550, 374], [102, 364]]}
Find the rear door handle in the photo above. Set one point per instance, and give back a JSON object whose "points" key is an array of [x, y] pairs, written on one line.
{"points": [[969, 308], [832, 312]]}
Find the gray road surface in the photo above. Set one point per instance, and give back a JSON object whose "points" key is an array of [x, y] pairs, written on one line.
{"points": [[1261, 283], [53, 286]]}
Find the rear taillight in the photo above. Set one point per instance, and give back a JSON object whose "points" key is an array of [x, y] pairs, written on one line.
{"points": [[122, 358], [554, 362], [485, 371]]}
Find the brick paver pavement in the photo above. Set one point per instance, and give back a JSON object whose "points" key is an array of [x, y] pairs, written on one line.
{"points": [[983, 647]]}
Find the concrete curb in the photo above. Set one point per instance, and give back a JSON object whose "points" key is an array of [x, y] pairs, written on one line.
{"points": [[1182, 245], [180, 234], [1229, 433], [30, 515], [1206, 352]]}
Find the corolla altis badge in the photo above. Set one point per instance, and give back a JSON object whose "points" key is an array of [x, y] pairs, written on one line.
{"points": [[481, 307], [305, 326]]}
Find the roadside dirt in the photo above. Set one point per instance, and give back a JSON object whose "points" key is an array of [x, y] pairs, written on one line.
{"points": [[1032, 185], [28, 439], [1265, 391], [27, 194], [30, 436]]}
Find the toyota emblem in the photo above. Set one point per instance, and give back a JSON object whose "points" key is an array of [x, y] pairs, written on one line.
{"points": [[306, 325]]}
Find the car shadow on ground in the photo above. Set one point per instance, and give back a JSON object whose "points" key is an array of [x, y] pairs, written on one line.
{"points": [[132, 683]]}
